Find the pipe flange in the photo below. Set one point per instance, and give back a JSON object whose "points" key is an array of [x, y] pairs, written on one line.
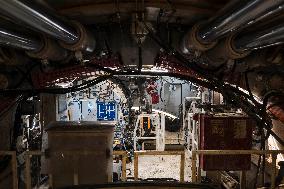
{"points": [[193, 40], [86, 40], [50, 50], [231, 50]]}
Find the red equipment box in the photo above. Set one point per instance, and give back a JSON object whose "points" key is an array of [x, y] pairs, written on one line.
{"points": [[225, 132]]}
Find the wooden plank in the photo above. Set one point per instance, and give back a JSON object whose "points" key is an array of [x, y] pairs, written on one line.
{"points": [[9, 153], [232, 152], [35, 153], [28, 166], [123, 175], [14, 169], [75, 152], [28, 171], [243, 180], [50, 181], [198, 174], [193, 167], [119, 153], [273, 174], [135, 166], [73, 133], [75, 179], [109, 178], [144, 153], [182, 164], [75, 170], [123, 167]]}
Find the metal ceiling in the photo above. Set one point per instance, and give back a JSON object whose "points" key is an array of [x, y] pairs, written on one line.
{"points": [[97, 11]]}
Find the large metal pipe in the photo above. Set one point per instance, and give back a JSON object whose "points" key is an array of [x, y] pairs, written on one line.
{"points": [[41, 48], [240, 45], [20, 41], [73, 36], [234, 17], [240, 13], [32, 15], [260, 39]]}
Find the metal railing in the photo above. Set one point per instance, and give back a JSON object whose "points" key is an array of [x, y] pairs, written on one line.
{"points": [[29, 154], [273, 154]]}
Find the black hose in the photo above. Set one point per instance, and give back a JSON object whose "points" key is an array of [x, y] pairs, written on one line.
{"points": [[84, 85]]}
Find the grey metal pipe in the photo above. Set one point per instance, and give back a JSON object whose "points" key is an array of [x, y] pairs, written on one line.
{"points": [[41, 48], [20, 41], [256, 40], [237, 15], [240, 45], [32, 15]]}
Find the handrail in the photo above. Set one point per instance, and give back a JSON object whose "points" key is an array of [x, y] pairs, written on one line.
{"points": [[29, 154], [273, 153], [124, 158]]}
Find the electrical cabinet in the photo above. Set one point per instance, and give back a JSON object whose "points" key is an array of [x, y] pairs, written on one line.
{"points": [[225, 132]]}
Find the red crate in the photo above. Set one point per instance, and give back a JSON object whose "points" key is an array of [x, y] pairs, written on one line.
{"points": [[229, 132]]}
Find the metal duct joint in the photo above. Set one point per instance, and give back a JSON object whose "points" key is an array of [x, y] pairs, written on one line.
{"points": [[240, 45], [236, 15], [191, 41], [86, 40], [50, 51], [42, 48], [224, 51], [260, 39], [73, 37]]}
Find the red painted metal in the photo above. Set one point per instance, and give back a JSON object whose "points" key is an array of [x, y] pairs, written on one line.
{"points": [[171, 64], [278, 112], [77, 72], [227, 132], [63, 75], [112, 62]]}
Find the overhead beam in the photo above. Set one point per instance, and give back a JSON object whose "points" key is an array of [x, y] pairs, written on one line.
{"points": [[127, 7]]}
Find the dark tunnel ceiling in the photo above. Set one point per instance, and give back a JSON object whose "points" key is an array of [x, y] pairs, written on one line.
{"points": [[90, 11]]}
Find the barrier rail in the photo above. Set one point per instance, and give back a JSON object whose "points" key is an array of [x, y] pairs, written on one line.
{"points": [[149, 153], [124, 157], [273, 153], [29, 154]]}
